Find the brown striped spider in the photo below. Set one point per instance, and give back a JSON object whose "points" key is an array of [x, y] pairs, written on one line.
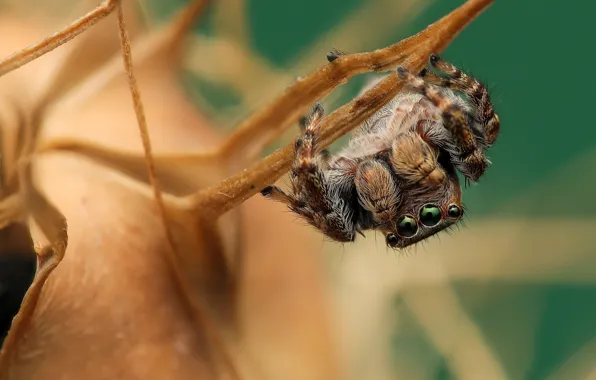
{"points": [[398, 173]]}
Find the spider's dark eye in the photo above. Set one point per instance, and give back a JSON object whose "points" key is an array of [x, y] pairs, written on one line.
{"points": [[454, 211], [407, 226], [430, 215], [392, 240]]}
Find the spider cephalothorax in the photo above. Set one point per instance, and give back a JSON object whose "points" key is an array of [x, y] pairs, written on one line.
{"points": [[398, 172]]}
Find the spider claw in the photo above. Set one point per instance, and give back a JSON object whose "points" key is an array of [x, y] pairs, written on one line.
{"points": [[317, 110], [334, 54], [267, 191], [331, 56]]}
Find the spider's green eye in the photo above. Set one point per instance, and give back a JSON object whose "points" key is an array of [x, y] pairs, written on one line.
{"points": [[454, 211], [430, 215], [407, 226]]}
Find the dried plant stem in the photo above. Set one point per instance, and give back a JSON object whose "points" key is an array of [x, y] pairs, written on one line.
{"points": [[231, 21], [413, 52], [182, 24], [177, 173], [199, 315], [142, 123], [57, 39]]}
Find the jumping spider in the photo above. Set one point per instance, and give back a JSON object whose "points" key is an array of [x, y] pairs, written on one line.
{"points": [[398, 172]]}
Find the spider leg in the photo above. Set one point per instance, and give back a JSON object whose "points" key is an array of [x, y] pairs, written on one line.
{"points": [[475, 90], [277, 194], [465, 153], [314, 194], [325, 154]]}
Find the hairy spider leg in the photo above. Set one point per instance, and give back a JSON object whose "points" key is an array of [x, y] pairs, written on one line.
{"points": [[477, 92], [469, 158], [313, 195]]}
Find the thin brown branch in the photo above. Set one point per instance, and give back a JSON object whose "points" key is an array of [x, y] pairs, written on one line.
{"points": [[85, 56], [181, 25], [177, 172], [231, 21], [142, 123], [200, 317], [384, 14], [413, 52], [246, 70], [57, 39]]}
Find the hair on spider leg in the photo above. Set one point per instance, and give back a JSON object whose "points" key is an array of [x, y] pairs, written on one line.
{"points": [[491, 91]]}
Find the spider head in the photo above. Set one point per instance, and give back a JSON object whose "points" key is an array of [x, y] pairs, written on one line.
{"points": [[426, 212]]}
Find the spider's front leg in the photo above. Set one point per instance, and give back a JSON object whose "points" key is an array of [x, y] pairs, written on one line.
{"points": [[317, 195], [466, 141], [486, 121]]}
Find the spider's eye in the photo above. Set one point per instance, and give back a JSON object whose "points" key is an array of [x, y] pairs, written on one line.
{"points": [[391, 240], [407, 226], [430, 215], [454, 211]]}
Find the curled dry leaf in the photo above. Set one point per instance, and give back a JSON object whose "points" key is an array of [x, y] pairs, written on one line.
{"points": [[221, 295]]}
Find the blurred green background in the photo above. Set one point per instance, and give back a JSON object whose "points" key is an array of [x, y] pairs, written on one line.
{"points": [[515, 288]]}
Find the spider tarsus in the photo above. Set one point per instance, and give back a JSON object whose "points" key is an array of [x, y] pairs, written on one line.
{"points": [[317, 110], [334, 54], [267, 191], [332, 57], [402, 72]]}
